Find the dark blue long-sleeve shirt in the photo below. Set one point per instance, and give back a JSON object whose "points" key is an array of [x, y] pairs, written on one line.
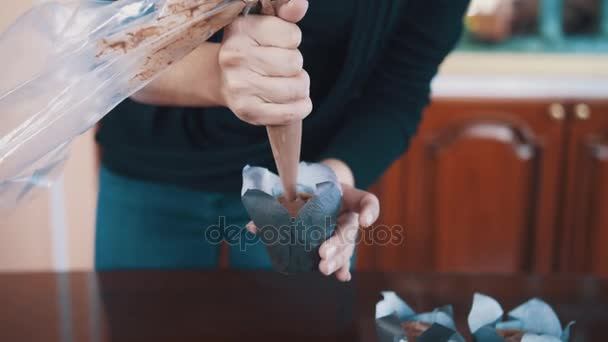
{"points": [[371, 63]]}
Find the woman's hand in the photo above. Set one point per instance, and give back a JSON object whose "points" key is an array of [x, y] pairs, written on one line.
{"points": [[256, 71], [262, 79], [360, 209]]}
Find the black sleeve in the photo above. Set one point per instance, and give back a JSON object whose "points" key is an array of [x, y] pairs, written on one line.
{"points": [[382, 120]]}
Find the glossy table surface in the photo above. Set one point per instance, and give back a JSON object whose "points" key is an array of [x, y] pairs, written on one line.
{"points": [[244, 306]]}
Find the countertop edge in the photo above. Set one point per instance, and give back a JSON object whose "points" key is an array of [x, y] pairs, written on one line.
{"points": [[518, 87]]}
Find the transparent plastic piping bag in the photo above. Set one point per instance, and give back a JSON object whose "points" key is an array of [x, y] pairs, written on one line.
{"points": [[65, 65]]}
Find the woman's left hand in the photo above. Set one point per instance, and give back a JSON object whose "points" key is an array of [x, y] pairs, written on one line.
{"points": [[360, 209]]}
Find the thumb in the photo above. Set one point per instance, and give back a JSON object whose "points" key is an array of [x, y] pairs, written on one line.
{"points": [[363, 203], [293, 10]]}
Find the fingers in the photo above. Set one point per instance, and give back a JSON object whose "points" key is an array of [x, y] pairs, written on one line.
{"points": [[293, 11], [370, 210], [345, 236], [339, 265], [361, 210], [251, 227], [335, 263], [282, 114], [261, 70], [343, 274], [264, 60], [336, 252], [362, 202], [257, 112], [268, 31], [276, 62], [282, 90]]}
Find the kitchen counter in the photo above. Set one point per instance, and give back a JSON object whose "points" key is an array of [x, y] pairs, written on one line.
{"points": [[263, 306], [503, 75]]}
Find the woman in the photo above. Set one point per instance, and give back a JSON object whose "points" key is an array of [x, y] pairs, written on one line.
{"points": [[173, 154]]}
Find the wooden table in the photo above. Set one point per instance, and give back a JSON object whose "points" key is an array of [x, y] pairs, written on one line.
{"points": [[246, 306]]}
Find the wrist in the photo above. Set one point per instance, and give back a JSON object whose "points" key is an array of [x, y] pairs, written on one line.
{"points": [[342, 171], [211, 86]]}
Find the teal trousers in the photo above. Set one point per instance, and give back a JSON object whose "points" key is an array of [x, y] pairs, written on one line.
{"points": [[146, 225]]}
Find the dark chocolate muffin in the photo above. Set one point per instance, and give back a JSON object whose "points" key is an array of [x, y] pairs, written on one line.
{"points": [[511, 335], [413, 329]]}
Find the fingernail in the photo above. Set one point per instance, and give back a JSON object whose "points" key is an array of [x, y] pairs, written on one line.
{"points": [[367, 219], [331, 266], [331, 251], [350, 276]]}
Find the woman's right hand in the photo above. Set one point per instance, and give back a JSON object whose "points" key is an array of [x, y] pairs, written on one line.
{"points": [[262, 79]]}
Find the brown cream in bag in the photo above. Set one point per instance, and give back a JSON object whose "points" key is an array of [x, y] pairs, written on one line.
{"points": [[181, 27], [174, 33]]}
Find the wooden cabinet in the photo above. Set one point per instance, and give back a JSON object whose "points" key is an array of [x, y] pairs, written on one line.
{"points": [[584, 232], [482, 189]]}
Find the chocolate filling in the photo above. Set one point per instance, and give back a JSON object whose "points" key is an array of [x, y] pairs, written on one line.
{"points": [[511, 335], [413, 329], [293, 207], [166, 40]]}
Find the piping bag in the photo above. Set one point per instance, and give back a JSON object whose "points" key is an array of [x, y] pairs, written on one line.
{"points": [[285, 141], [66, 64], [297, 212]]}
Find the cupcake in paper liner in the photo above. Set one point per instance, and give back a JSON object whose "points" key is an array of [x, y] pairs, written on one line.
{"points": [[533, 321], [398, 322], [293, 237]]}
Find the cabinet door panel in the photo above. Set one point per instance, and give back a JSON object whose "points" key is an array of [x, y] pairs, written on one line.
{"points": [[599, 258], [476, 191], [479, 198], [584, 240]]}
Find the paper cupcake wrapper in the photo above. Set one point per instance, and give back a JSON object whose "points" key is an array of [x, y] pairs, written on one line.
{"points": [[293, 243], [536, 320], [392, 312]]}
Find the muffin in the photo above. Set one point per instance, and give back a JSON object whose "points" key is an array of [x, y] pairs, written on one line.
{"points": [[511, 335], [414, 329]]}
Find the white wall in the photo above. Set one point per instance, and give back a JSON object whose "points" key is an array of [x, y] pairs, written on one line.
{"points": [[55, 229]]}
